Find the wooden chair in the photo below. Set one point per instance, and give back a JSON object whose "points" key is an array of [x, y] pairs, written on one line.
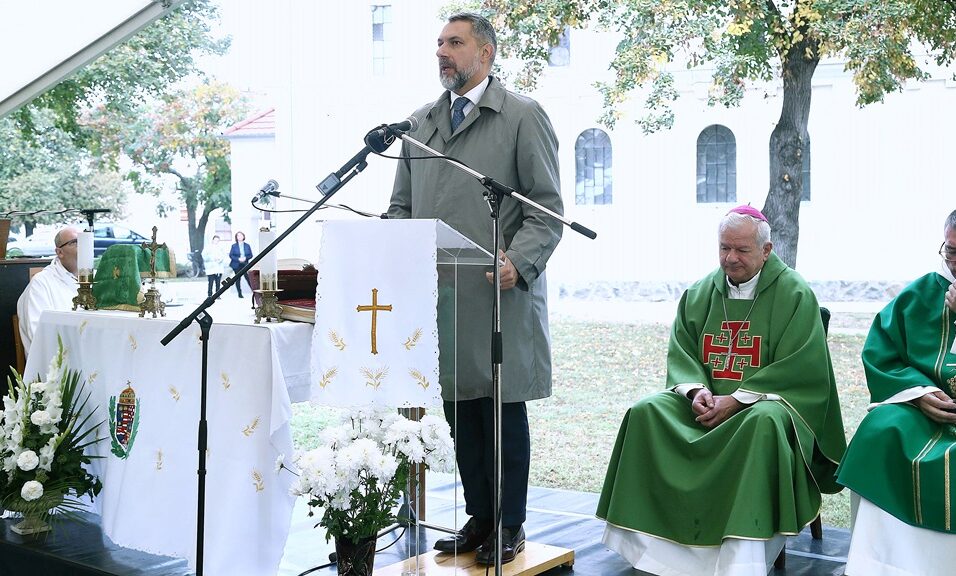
{"points": [[18, 345], [816, 527]]}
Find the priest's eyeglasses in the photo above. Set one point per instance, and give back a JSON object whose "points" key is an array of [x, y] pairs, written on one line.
{"points": [[73, 241], [948, 253]]}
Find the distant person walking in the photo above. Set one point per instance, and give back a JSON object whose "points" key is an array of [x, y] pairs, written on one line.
{"points": [[214, 263], [239, 254]]}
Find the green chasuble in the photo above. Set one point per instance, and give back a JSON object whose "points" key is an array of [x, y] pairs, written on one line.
{"points": [[899, 459], [761, 471]]}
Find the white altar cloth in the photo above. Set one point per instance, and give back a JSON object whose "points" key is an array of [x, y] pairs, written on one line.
{"points": [[149, 498]]}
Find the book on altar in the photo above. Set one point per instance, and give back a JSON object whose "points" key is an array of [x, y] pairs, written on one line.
{"points": [[298, 310]]}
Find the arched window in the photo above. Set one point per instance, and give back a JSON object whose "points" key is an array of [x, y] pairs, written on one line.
{"points": [[592, 155], [716, 165], [805, 159]]}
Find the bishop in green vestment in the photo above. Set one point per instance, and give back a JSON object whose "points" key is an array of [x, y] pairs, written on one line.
{"points": [[903, 456], [749, 432]]}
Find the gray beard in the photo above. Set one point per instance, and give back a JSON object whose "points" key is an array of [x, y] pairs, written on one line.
{"points": [[453, 82], [459, 78]]}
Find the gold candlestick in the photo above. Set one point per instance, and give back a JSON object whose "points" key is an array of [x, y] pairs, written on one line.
{"points": [[268, 307], [84, 293]]}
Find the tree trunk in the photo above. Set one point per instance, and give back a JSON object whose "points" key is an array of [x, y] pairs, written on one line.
{"points": [[786, 151], [190, 193]]}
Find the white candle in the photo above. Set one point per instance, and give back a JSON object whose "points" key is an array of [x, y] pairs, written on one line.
{"points": [[269, 265], [84, 256]]}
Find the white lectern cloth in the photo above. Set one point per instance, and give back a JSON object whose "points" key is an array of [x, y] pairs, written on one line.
{"points": [[393, 265]]}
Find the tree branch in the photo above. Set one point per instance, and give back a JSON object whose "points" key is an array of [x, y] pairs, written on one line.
{"points": [[175, 173], [773, 8]]}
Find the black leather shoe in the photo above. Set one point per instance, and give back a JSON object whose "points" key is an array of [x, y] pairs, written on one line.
{"points": [[469, 538], [512, 543]]}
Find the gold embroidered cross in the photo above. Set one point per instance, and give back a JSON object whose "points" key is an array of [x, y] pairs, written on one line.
{"points": [[374, 308]]}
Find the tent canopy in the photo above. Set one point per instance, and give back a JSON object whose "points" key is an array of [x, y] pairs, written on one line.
{"points": [[47, 40]]}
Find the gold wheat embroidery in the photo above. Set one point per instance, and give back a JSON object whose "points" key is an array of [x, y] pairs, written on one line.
{"points": [[257, 481], [159, 459], [82, 326], [92, 377], [336, 340], [327, 376], [225, 381], [250, 429], [413, 339], [419, 378], [374, 378], [132, 342], [174, 393]]}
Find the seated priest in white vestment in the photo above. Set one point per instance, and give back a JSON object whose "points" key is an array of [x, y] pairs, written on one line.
{"points": [[901, 463], [709, 476], [52, 288]]}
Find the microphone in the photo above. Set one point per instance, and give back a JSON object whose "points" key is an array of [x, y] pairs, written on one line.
{"points": [[270, 189], [379, 139]]}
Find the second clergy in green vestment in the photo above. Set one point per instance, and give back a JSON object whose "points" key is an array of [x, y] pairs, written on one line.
{"points": [[902, 460], [749, 432]]}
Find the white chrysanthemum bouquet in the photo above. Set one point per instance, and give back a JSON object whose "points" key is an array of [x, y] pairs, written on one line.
{"points": [[358, 473], [45, 429]]}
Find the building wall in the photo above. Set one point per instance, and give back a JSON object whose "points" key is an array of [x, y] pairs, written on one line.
{"points": [[878, 190]]}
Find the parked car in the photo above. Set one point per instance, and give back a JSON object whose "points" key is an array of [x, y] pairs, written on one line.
{"points": [[105, 234], [39, 245]]}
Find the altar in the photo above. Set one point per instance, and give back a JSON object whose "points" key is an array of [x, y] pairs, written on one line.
{"points": [[147, 400]]}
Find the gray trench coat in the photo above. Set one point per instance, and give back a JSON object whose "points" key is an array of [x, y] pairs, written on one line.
{"points": [[509, 138]]}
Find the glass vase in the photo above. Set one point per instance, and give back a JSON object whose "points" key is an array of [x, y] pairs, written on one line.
{"points": [[32, 523], [355, 558], [36, 514]]}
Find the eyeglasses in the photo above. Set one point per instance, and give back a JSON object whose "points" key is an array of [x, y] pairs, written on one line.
{"points": [[67, 243], [948, 253]]}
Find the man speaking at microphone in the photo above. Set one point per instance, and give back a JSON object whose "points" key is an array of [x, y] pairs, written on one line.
{"points": [[509, 138]]}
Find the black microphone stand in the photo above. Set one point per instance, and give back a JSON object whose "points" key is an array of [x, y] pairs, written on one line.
{"points": [[329, 186], [495, 192]]}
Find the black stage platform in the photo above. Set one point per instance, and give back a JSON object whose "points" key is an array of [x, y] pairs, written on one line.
{"points": [[555, 517]]}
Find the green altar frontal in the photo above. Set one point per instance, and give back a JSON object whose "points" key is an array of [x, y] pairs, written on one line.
{"points": [[117, 284]]}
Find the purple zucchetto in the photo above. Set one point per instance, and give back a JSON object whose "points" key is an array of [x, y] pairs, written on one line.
{"points": [[749, 211]]}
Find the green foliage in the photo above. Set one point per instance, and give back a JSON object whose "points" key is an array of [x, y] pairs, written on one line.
{"points": [[51, 160], [370, 510], [48, 171], [144, 66], [177, 139], [743, 40]]}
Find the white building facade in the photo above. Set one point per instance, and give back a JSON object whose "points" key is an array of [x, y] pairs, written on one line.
{"points": [[878, 190]]}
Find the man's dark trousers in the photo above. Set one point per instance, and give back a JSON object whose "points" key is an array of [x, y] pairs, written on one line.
{"points": [[474, 450]]}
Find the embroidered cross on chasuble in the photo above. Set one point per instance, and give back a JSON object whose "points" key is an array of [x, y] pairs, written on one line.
{"points": [[731, 350]]}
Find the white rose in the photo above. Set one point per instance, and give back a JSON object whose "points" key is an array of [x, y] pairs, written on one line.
{"points": [[31, 490], [41, 417], [27, 460], [38, 387]]}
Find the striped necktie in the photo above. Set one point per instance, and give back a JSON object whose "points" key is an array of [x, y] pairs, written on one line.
{"points": [[458, 112]]}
